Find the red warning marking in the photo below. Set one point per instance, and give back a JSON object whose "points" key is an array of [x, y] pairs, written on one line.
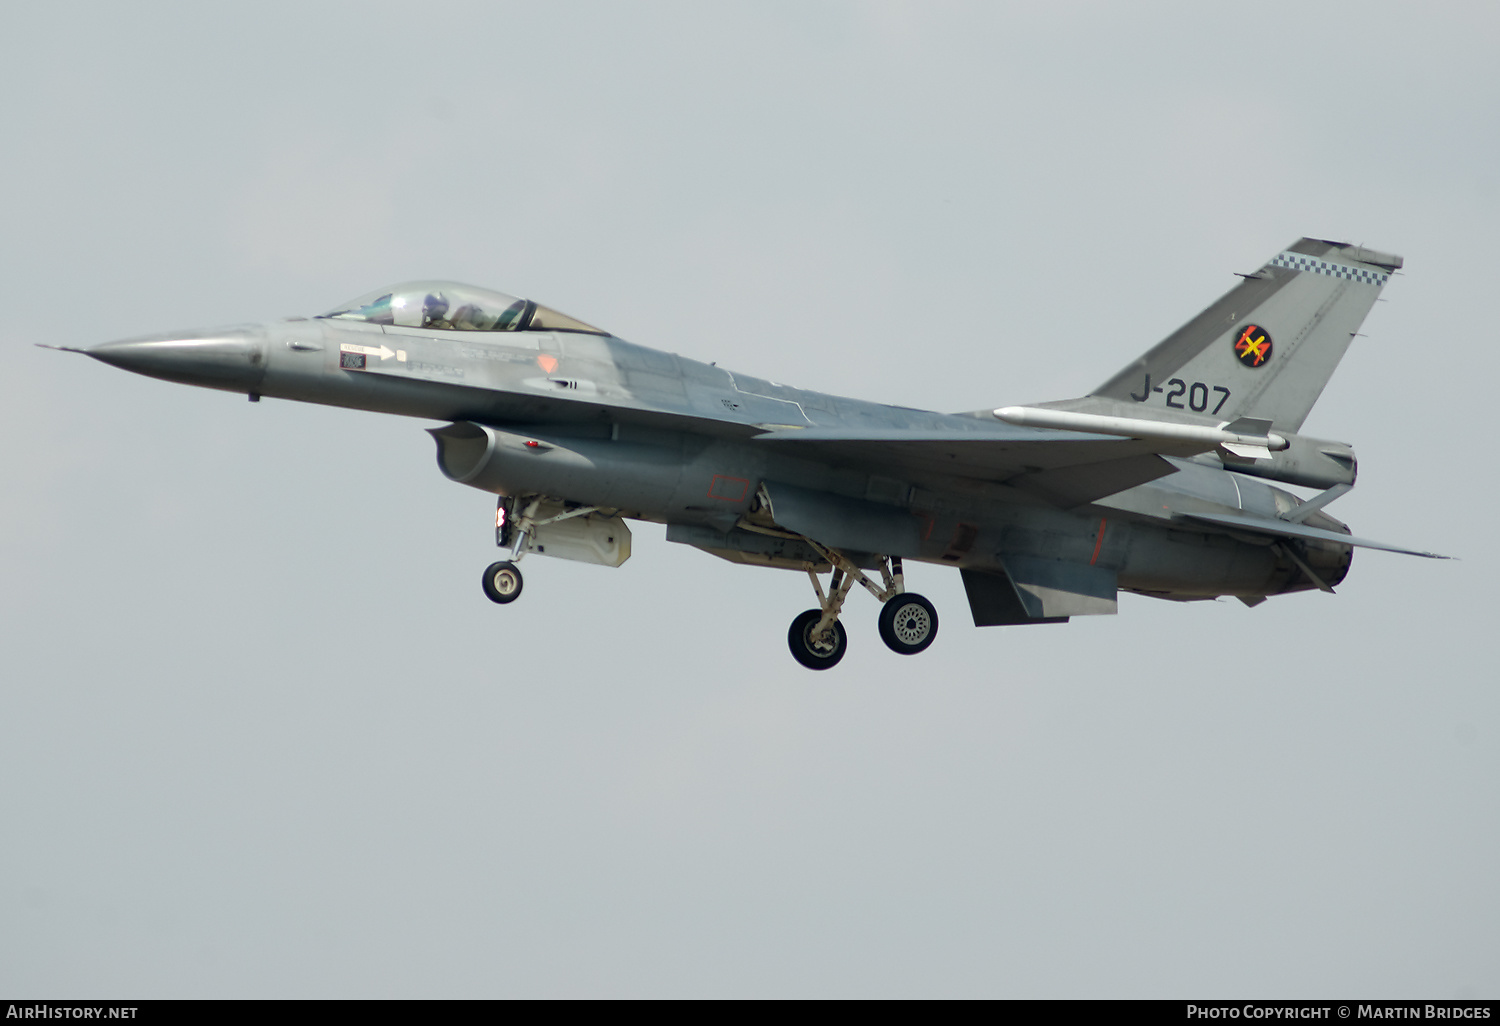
{"points": [[547, 363], [929, 521], [964, 536], [1098, 542], [728, 489]]}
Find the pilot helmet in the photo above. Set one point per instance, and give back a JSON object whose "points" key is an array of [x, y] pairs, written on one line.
{"points": [[434, 307]]}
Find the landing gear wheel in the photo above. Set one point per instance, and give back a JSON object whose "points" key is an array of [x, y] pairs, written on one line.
{"points": [[908, 623], [816, 655], [502, 582]]}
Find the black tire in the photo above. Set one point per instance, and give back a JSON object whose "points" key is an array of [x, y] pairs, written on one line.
{"points": [[502, 582], [908, 624], [810, 656]]}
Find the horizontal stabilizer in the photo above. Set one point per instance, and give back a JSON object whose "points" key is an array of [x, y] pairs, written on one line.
{"points": [[1286, 529]]}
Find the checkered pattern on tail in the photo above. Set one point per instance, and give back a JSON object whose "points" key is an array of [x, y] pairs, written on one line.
{"points": [[1302, 262]]}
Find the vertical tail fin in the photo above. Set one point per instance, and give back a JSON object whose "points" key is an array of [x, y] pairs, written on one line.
{"points": [[1269, 346]]}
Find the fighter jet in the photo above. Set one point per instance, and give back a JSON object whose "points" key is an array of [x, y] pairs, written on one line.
{"points": [[1157, 482]]}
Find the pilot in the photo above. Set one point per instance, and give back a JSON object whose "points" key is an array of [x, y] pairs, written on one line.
{"points": [[435, 311], [470, 317]]}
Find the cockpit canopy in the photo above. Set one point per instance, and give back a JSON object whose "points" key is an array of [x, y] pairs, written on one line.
{"points": [[450, 306]]}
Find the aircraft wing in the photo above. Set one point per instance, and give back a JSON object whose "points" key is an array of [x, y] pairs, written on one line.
{"points": [[1067, 467], [1285, 529]]}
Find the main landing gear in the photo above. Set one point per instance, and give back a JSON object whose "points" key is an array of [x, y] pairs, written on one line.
{"points": [[908, 622], [816, 651]]}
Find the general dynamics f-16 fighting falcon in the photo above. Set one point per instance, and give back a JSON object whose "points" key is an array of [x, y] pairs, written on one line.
{"points": [[1155, 482]]}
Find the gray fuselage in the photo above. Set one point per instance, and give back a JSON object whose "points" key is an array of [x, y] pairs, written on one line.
{"points": [[591, 419]]}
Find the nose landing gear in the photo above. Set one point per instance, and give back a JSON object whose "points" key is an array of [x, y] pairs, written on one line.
{"points": [[502, 582]]}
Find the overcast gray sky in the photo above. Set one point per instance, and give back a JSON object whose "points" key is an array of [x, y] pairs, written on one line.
{"points": [[261, 734]]}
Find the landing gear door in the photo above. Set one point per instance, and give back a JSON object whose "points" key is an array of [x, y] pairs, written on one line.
{"points": [[591, 538], [505, 522]]}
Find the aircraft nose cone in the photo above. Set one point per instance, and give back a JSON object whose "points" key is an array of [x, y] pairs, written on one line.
{"points": [[233, 359]]}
